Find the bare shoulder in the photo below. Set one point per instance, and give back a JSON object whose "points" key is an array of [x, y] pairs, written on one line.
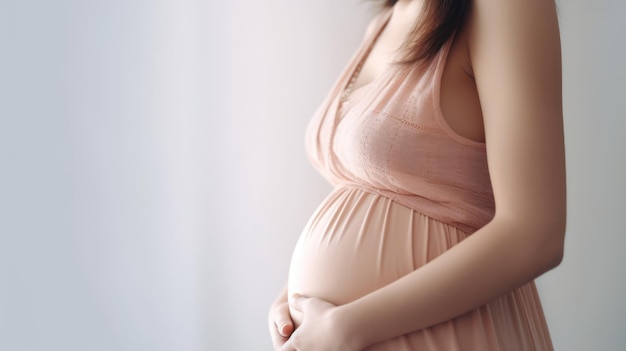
{"points": [[515, 49], [525, 10], [515, 45], [514, 24]]}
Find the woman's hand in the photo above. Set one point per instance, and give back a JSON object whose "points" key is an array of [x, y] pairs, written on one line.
{"points": [[279, 319], [322, 328]]}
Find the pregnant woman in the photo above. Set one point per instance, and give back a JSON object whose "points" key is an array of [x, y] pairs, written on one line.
{"points": [[443, 139]]}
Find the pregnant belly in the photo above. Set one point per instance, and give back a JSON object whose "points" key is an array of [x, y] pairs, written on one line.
{"points": [[357, 242]]}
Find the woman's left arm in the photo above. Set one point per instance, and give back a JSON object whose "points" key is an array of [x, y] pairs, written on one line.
{"points": [[515, 55]]}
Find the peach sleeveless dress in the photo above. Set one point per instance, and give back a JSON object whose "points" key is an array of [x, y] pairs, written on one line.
{"points": [[407, 188]]}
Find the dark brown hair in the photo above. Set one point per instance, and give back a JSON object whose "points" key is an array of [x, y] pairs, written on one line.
{"points": [[438, 21]]}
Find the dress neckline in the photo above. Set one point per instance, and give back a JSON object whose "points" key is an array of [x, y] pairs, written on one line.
{"points": [[370, 42], [363, 53]]}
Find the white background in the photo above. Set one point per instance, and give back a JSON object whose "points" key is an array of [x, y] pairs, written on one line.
{"points": [[153, 179]]}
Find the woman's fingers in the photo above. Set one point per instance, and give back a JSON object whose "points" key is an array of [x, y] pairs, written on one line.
{"points": [[288, 346], [278, 340], [282, 320], [298, 303], [285, 328], [304, 303], [281, 325]]}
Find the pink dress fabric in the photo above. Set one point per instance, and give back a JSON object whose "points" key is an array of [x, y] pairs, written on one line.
{"points": [[407, 188]]}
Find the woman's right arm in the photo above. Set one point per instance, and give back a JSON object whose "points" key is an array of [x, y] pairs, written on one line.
{"points": [[279, 319]]}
